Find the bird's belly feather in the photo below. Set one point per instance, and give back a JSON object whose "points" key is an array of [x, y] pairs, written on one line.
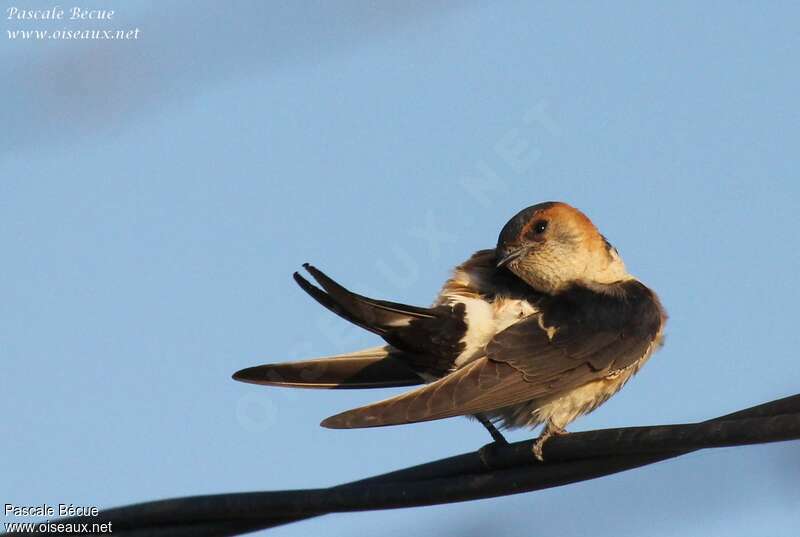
{"points": [[562, 410]]}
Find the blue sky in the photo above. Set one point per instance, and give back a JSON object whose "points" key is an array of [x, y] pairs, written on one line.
{"points": [[156, 195]]}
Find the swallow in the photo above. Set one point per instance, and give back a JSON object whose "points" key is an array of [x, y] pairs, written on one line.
{"points": [[539, 330]]}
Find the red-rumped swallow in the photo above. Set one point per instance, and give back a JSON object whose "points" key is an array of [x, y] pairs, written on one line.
{"points": [[539, 330]]}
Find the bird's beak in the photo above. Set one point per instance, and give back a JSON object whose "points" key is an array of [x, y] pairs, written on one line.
{"points": [[510, 256]]}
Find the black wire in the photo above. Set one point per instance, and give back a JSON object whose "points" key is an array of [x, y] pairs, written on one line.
{"points": [[511, 470]]}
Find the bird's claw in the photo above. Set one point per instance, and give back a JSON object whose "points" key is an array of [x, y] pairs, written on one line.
{"points": [[537, 448], [538, 445]]}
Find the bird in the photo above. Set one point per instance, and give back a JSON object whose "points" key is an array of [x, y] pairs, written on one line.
{"points": [[539, 330]]}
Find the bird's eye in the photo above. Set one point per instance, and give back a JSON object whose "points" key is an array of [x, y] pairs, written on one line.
{"points": [[540, 227]]}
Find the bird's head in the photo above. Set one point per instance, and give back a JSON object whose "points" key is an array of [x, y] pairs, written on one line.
{"points": [[552, 245]]}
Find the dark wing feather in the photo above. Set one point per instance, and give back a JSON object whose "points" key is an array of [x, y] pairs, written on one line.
{"points": [[377, 316], [370, 368], [596, 333], [427, 339]]}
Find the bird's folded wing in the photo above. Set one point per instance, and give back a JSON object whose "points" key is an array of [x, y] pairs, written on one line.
{"points": [[530, 360], [476, 387]]}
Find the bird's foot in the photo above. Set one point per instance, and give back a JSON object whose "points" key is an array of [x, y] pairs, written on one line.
{"points": [[497, 436], [549, 431], [487, 453]]}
